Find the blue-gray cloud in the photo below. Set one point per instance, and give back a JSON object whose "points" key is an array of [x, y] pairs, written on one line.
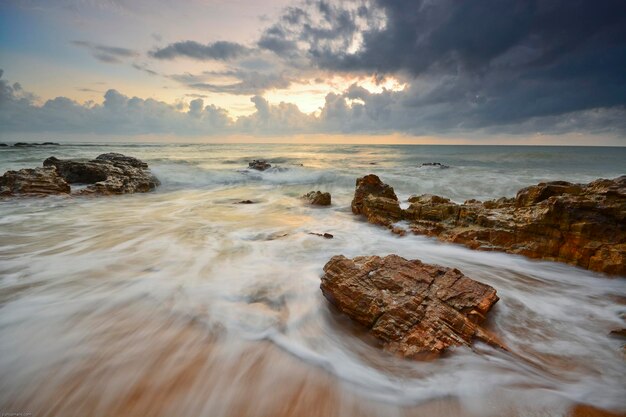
{"points": [[107, 54], [353, 111], [220, 50]]}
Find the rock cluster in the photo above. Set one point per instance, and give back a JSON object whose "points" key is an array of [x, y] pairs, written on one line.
{"points": [[30, 144], [415, 309], [580, 224], [110, 173], [259, 165], [317, 198]]}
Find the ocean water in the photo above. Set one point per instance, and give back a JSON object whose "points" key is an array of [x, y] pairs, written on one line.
{"points": [[180, 302]]}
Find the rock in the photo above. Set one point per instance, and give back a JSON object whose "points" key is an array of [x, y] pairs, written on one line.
{"points": [[245, 202], [324, 235], [317, 198], [33, 182], [119, 159], [29, 144], [3, 145], [259, 165], [435, 164], [110, 173], [415, 309], [376, 200], [580, 224]]}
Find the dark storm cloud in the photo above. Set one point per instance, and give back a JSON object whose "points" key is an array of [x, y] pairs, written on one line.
{"points": [[481, 63], [107, 54], [221, 50]]}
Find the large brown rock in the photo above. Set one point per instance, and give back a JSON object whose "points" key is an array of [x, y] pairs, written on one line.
{"points": [[376, 200], [110, 173], [33, 182], [580, 224], [414, 308]]}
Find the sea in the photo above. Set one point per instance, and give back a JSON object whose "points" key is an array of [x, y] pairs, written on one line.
{"points": [[181, 302]]}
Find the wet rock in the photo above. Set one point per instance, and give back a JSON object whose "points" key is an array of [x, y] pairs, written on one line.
{"points": [[33, 182], [110, 173], [259, 165], [317, 198], [324, 235], [376, 200], [3, 145], [435, 164], [580, 224], [414, 308]]}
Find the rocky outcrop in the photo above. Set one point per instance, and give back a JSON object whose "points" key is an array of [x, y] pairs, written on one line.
{"points": [[376, 200], [110, 173], [33, 182], [580, 224], [259, 165], [317, 198], [415, 309]]}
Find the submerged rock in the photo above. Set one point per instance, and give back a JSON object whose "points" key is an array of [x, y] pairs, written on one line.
{"points": [[580, 224], [33, 182], [110, 173], [324, 235], [435, 164], [317, 198], [259, 165], [415, 309]]}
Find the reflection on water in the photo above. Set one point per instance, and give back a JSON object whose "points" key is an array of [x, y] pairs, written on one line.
{"points": [[181, 302]]}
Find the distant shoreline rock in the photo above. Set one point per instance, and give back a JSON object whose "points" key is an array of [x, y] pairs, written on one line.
{"points": [[415, 309], [579, 224], [435, 165], [30, 144], [110, 173]]}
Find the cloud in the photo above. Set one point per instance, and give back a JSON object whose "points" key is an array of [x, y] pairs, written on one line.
{"points": [[107, 54], [220, 50], [354, 111], [248, 82], [469, 64], [117, 115]]}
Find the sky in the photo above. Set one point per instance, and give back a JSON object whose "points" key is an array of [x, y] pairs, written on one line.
{"points": [[371, 71]]}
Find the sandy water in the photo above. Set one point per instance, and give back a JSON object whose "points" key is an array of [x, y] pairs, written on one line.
{"points": [[180, 302]]}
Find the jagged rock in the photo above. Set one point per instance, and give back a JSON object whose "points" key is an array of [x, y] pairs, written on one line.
{"points": [[33, 182], [110, 173], [259, 165], [317, 198], [376, 200], [580, 224], [412, 307]]}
